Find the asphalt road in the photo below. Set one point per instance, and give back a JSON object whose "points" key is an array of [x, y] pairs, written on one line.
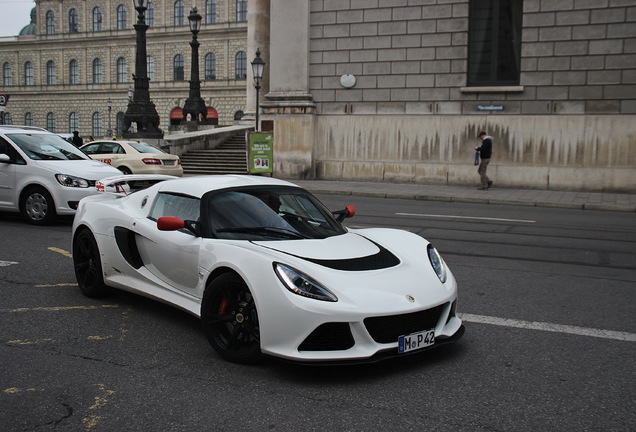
{"points": [[547, 296]]}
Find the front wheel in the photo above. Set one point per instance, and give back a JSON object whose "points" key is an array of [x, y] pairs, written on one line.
{"points": [[88, 265], [37, 206], [230, 320]]}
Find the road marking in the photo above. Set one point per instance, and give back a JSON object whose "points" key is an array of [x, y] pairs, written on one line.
{"points": [[557, 328], [59, 308], [61, 251], [7, 263], [56, 285], [466, 217]]}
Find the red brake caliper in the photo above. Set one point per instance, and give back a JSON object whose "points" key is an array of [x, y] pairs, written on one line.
{"points": [[223, 306]]}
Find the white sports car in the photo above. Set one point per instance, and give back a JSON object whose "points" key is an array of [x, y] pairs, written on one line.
{"points": [[267, 268]]}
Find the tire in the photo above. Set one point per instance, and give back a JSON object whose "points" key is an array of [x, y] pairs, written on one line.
{"points": [[230, 319], [37, 206], [88, 265], [125, 170]]}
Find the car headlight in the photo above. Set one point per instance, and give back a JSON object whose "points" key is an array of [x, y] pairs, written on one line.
{"points": [[71, 181], [437, 262], [301, 284]]}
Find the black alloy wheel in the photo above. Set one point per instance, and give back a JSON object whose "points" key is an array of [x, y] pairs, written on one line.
{"points": [[230, 319], [88, 265]]}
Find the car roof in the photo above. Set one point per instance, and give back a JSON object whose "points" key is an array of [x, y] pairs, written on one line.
{"points": [[29, 129], [197, 186]]}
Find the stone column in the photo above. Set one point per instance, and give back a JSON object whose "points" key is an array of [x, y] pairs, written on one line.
{"points": [[257, 38]]}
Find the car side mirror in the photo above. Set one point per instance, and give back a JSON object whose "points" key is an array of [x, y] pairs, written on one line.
{"points": [[5, 158], [172, 223], [348, 212]]}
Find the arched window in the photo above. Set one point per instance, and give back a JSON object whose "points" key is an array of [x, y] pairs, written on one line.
{"points": [[122, 70], [98, 73], [97, 19], [178, 13], [8, 119], [73, 72], [50, 23], [210, 66], [28, 74], [150, 15], [73, 22], [28, 119], [121, 17], [150, 63], [73, 122], [210, 12], [178, 66], [51, 76], [241, 10], [50, 122], [7, 74], [97, 125], [240, 65], [119, 123], [238, 115]]}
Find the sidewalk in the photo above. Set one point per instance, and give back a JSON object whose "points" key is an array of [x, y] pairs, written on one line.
{"points": [[624, 202]]}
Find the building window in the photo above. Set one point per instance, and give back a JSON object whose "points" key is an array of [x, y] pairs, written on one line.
{"points": [[178, 13], [241, 10], [150, 15], [97, 125], [178, 66], [122, 70], [28, 119], [8, 120], [238, 115], [51, 77], [97, 19], [240, 65], [73, 122], [121, 17], [98, 74], [150, 63], [119, 123], [7, 74], [50, 122], [50, 23], [210, 12], [73, 72], [73, 23], [210, 66], [28, 74], [494, 42]]}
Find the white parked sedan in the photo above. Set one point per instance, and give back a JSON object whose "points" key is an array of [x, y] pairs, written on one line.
{"points": [[42, 175], [267, 268], [134, 157]]}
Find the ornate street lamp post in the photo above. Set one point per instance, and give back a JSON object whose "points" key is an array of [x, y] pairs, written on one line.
{"points": [[258, 65], [194, 105], [109, 105], [141, 110]]}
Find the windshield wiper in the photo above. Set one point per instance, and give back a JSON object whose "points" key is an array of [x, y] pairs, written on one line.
{"points": [[280, 232]]}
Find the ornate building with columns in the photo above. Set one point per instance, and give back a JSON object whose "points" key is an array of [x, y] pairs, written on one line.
{"points": [[77, 55]]}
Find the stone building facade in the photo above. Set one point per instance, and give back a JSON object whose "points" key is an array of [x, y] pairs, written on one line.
{"points": [[81, 54], [397, 90]]}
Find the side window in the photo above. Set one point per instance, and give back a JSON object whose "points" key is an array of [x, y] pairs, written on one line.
{"points": [[8, 149], [183, 207], [91, 149]]}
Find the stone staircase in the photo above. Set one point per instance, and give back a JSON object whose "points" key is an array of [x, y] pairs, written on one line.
{"points": [[228, 158]]}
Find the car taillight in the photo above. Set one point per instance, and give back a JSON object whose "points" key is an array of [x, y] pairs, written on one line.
{"points": [[151, 161], [178, 161]]}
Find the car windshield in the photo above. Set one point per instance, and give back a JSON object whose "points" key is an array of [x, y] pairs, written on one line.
{"points": [[46, 147], [270, 214], [145, 148]]}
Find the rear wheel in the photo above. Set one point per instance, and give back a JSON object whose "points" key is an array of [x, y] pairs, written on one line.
{"points": [[37, 206], [88, 265], [125, 170], [230, 320]]}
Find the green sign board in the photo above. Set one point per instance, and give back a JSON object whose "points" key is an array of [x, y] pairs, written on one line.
{"points": [[261, 156]]}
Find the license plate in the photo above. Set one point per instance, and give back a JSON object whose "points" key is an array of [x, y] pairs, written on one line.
{"points": [[168, 162], [416, 341]]}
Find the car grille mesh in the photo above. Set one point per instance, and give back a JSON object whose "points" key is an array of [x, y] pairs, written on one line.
{"points": [[387, 329], [329, 337]]}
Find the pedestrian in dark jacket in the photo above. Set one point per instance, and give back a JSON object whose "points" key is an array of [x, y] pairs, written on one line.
{"points": [[77, 140], [485, 153]]}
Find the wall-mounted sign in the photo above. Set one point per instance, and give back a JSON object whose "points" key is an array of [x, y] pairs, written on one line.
{"points": [[261, 152], [491, 107]]}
